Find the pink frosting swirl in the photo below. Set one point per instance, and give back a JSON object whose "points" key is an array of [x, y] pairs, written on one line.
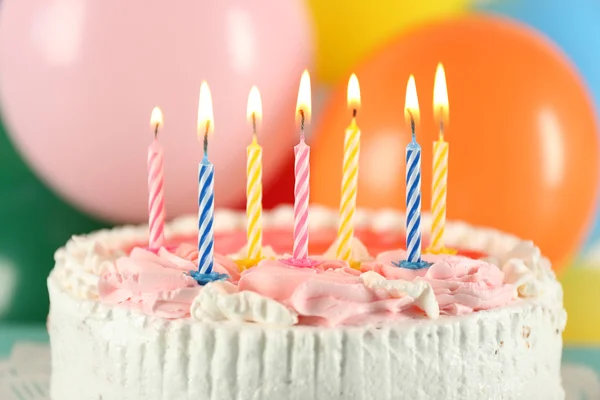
{"points": [[325, 296], [329, 294], [461, 285], [157, 284], [223, 264]]}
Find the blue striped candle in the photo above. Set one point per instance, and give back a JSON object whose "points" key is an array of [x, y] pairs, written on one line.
{"points": [[206, 208], [206, 196], [413, 201], [413, 180]]}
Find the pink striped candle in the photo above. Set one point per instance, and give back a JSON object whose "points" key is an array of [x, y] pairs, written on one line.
{"points": [[301, 193], [156, 204], [302, 172]]}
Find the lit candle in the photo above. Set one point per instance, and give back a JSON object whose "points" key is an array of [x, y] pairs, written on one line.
{"points": [[254, 180], [440, 164], [206, 196], [413, 177], [302, 172], [156, 204], [349, 175]]}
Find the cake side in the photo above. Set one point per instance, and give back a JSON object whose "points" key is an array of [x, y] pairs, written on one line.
{"points": [[116, 353]]}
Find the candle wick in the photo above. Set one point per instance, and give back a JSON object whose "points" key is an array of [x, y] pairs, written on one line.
{"points": [[301, 111], [412, 125], [254, 123], [441, 122], [206, 138], [156, 131], [354, 112]]}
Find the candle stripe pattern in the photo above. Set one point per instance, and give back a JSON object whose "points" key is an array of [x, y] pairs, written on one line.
{"points": [[254, 201], [438, 199], [348, 198], [413, 202], [301, 192], [156, 206], [206, 205]]}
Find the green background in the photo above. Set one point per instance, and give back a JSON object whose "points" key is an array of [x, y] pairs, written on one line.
{"points": [[34, 222]]}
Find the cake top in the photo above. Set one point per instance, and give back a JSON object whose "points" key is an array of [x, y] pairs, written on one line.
{"points": [[114, 268]]}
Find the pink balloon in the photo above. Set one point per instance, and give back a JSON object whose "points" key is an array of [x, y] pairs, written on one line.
{"points": [[79, 79]]}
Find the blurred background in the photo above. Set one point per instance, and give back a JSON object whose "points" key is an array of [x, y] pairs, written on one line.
{"points": [[78, 81]]}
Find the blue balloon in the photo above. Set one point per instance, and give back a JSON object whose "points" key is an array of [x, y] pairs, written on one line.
{"points": [[575, 27]]}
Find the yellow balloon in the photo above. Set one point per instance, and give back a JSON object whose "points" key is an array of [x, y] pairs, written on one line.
{"points": [[582, 301], [347, 30]]}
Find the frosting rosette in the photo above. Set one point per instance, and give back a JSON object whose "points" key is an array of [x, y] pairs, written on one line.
{"points": [[461, 285], [223, 264], [156, 283], [219, 301]]}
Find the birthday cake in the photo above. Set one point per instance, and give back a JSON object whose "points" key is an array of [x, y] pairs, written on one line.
{"points": [[127, 322], [299, 305]]}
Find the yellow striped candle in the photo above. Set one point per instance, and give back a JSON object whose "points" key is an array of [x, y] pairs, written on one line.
{"points": [[254, 180], [349, 176], [440, 164]]}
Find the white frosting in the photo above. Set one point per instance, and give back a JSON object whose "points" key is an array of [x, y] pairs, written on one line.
{"points": [[362, 218], [281, 217], [419, 290], [321, 217], [228, 220], [517, 273], [220, 301], [267, 252], [388, 220], [525, 267], [358, 250], [82, 261]]}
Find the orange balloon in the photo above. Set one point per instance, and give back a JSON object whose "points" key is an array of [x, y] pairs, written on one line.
{"points": [[523, 153]]}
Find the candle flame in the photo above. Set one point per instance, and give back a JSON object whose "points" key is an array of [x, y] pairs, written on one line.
{"points": [[206, 123], [156, 118], [440, 96], [304, 99], [411, 104], [353, 93], [254, 109]]}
